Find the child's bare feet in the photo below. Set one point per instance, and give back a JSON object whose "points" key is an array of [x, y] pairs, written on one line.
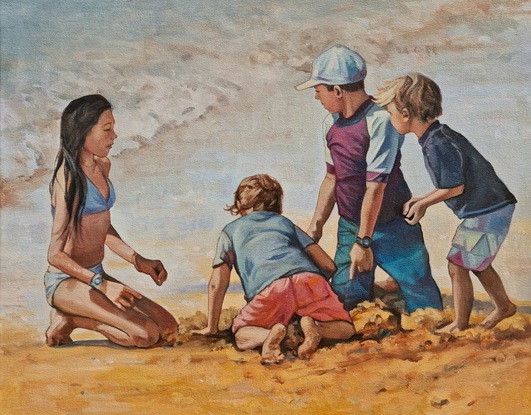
{"points": [[498, 315], [271, 347], [312, 338], [388, 285], [453, 327], [58, 333]]}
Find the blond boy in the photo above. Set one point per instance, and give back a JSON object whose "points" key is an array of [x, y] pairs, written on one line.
{"points": [[467, 183]]}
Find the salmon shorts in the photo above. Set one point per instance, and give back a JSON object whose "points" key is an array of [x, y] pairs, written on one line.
{"points": [[304, 294]]}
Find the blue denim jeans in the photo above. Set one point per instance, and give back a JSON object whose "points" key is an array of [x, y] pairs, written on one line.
{"points": [[399, 250]]}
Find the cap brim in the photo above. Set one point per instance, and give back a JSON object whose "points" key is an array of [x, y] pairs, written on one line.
{"points": [[308, 84]]}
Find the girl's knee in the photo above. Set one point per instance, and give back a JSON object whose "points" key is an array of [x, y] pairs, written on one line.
{"points": [[145, 335], [167, 323]]}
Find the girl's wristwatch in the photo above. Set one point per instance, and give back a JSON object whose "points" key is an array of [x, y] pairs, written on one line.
{"points": [[96, 281]]}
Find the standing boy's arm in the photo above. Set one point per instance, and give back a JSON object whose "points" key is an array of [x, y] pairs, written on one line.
{"points": [[417, 211], [321, 259], [325, 204], [362, 258], [413, 200], [217, 287]]}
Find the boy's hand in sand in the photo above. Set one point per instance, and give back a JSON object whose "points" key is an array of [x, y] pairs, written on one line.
{"points": [[153, 267], [206, 331], [120, 295]]}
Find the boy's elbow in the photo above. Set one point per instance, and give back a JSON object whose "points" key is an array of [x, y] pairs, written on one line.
{"points": [[329, 269], [456, 191]]}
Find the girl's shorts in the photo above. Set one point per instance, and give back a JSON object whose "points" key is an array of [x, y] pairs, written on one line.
{"points": [[478, 239], [53, 279], [305, 294]]}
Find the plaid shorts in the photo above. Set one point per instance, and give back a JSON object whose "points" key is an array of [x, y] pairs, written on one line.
{"points": [[478, 239]]}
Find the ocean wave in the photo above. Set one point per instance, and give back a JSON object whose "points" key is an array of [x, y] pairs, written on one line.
{"points": [[173, 65], [143, 104]]}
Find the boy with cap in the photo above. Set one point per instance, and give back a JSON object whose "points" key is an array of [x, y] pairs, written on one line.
{"points": [[363, 177], [467, 183]]}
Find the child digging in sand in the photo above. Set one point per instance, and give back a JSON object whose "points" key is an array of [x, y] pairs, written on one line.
{"points": [[282, 271], [467, 183]]}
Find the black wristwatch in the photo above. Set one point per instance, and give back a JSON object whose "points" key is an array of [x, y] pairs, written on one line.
{"points": [[96, 281], [365, 242]]}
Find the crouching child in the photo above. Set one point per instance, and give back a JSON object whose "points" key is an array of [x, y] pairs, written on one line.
{"points": [[283, 272]]}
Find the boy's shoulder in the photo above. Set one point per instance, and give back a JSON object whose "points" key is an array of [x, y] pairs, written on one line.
{"points": [[377, 115], [440, 134]]}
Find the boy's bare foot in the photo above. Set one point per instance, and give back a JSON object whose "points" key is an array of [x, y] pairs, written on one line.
{"points": [[498, 315], [388, 285], [58, 333], [271, 347], [453, 327], [312, 338]]}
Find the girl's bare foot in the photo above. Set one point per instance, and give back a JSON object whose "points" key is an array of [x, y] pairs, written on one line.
{"points": [[498, 315], [271, 347], [453, 327], [312, 338], [58, 333]]}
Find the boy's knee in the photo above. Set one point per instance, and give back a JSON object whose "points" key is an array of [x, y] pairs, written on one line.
{"points": [[244, 342], [454, 270]]}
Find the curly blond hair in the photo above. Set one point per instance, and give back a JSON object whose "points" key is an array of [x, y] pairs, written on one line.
{"points": [[415, 92]]}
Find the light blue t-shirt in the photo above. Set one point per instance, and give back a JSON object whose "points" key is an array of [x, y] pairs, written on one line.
{"points": [[263, 247]]}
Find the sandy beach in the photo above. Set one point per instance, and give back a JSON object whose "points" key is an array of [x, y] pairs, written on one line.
{"points": [[386, 368]]}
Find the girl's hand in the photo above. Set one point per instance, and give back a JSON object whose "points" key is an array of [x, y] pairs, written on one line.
{"points": [[120, 295], [153, 267]]}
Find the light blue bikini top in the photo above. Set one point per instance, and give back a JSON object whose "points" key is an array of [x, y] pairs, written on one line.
{"points": [[94, 200]]}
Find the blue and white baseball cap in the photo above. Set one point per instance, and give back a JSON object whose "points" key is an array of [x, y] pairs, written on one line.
{"points": [[337, 65]]}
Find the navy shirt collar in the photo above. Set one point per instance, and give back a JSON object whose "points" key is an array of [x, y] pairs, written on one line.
{"points": [[434, 125]]}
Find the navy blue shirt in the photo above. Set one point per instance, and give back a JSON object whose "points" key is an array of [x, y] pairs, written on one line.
{"points": [[452, 161]]}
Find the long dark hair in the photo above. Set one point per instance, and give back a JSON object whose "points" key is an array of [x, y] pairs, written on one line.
{"points": [[76, 122]]}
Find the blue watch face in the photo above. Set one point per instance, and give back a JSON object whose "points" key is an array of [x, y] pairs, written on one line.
{"points": [[96, 281]]}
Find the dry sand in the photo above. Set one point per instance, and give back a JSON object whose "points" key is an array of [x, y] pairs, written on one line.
{"points": [[390, 367]]}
